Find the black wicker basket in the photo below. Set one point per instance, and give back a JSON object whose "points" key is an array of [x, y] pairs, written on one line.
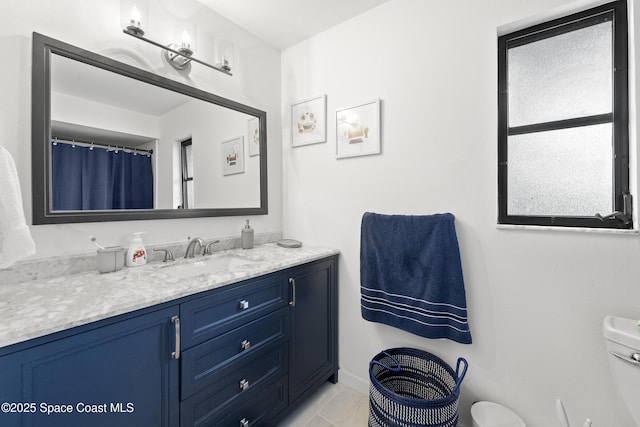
{"points": [[413, 388]]}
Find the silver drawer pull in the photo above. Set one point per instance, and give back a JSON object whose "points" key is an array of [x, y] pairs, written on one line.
{"points": [[245, 345], [244, 422], [176, 325], [244, 304], [244, 384], [292, 282]]}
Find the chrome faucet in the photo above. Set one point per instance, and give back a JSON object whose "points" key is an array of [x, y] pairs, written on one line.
{"points": [[168, 255], [190, 252], [207, 248]]}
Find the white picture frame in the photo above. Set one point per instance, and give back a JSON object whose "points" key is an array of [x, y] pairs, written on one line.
{"points": [[358, 130], [309, 121], [233, 156], [253, 136]]}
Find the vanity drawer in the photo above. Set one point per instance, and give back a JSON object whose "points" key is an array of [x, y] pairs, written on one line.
{"points": [[202, 364], [210, 316], [257, 411], [227, 392]]}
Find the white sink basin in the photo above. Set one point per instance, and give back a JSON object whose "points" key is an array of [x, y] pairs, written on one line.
{"points": [[206, 265]]}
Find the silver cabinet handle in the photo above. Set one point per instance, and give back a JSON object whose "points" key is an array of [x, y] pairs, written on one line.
{"points": [[634, 359], [176, 326], [244, 304], [245, 345], [244, 422], [244, 384], [292, 281]]}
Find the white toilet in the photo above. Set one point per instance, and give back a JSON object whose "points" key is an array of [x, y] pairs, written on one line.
{"points": [[623, 344], [489, 414]]}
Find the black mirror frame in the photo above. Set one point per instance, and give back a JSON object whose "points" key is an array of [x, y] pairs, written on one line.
{"points": [[43, 47]]}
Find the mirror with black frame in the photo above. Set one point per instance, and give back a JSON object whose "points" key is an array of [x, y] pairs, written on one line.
{"points": [[111, 142]]}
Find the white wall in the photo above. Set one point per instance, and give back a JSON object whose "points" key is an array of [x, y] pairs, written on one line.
{"points": [[208, 127], [79, 111], [95, 26], [536, 298]]}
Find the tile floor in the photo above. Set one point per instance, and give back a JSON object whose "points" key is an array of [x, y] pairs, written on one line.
{"points": [[333, 405]]}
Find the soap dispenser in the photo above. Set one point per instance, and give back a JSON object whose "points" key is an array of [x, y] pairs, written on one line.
{"points": [[137, 254], [246, 236]]}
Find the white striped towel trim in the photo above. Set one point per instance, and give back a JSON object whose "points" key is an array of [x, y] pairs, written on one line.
{"points": [[414, 320]]}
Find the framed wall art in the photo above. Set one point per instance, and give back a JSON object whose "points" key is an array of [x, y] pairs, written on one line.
{"points": [[309, 121], [233, 156], [253, 134], [358, 130]]}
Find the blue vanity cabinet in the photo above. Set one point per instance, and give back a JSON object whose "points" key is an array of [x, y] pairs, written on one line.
{"points": [[244, 354], [313, 344], [120, 375]]}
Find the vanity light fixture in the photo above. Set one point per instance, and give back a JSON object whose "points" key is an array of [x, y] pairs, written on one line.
{"points": [[178, 55], [186, 32]]}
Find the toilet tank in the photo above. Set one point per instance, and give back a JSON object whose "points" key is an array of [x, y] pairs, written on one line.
{"points": [[623, 345]]}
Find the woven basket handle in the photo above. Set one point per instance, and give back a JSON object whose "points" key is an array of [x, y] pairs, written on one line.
{"points": [[397, 367], [458, 374]]}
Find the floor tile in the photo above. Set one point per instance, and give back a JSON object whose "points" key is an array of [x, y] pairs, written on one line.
{"points": [[347, 408], [333, 405], [308, 409], [319, 421]]}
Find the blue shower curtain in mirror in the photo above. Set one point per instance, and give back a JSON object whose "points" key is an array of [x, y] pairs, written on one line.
{"points": [[94, 178]]}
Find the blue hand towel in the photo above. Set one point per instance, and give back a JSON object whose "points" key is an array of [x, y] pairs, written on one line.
{"points": [[411, 275]]}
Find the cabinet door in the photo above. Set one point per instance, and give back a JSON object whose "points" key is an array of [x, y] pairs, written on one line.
{"points": [[313, 343], [116, 375]]}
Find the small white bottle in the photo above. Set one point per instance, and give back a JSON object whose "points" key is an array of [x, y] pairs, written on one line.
{"points": [[137, 254], [246, 236]]}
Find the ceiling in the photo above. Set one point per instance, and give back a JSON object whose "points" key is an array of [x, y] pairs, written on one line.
{"points": [[77, 79], [283, 23]]}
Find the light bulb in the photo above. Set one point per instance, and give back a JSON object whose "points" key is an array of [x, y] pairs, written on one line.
{"points": [[135, 16], [186, 40]]}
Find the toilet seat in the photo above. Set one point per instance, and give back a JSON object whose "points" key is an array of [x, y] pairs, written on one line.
{"points": [[490, 414]]}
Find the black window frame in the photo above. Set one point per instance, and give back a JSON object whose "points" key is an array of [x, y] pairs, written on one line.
{"points": [[185, 172], [617, 12]]}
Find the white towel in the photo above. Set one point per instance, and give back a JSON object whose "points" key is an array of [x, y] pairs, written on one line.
{"points": [[15, 239]]}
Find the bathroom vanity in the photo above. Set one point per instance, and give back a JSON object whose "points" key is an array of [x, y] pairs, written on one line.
{"points": [[238, 347]]}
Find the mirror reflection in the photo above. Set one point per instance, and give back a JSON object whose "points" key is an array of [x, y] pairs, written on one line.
{"points": [[121, 143], [117, 143]]}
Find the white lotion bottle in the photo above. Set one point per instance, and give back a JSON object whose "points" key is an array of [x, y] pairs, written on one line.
{"points": [[137, 253], [246, 237]]}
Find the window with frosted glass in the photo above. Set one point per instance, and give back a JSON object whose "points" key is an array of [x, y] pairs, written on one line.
{"points": [[563, 122]]}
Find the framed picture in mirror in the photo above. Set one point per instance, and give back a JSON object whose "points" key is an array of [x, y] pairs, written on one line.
{"points": [[233, 156], [253, 135]]}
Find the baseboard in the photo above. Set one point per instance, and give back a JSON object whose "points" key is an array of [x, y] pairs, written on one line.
{"points": [[353, 382]]}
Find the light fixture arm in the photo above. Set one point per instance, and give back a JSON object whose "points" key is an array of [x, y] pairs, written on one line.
{"points": [[175, 52]]}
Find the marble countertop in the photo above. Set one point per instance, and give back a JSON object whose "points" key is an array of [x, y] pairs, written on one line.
{"points": [[37, 308]]}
